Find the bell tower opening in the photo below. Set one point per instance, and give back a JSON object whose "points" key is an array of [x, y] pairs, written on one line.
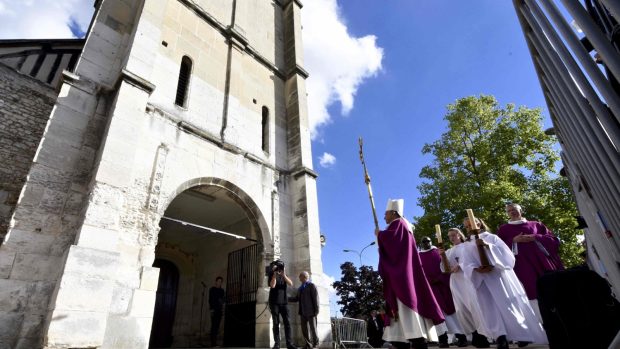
{"points": [[206, 233]]}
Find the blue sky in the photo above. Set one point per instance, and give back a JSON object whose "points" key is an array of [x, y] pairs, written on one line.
{"points": [[383, 70]]}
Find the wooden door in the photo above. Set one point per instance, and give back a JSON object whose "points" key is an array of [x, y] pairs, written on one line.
{"points": [[165, 304]]}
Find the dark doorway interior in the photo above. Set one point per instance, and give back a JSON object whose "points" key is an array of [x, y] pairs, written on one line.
{"points": [[165, 304], [241, 286]]}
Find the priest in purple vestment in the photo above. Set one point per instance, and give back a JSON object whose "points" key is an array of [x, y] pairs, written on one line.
{"points": [[535, 249], [440, 284], [411, 308]]}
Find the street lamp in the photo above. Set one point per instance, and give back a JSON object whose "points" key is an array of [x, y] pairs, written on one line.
{"points": [[360, 253]]}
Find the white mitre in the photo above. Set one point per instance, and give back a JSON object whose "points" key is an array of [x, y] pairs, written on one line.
{"points": [[396, 205]]}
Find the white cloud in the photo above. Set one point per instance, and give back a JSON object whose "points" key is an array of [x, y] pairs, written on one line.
{"points": [[43, 19], [327, 160], [338, 63]]}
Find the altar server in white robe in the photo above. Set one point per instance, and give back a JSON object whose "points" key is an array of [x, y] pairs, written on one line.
{"points": [[468, 311], [506, 311]]}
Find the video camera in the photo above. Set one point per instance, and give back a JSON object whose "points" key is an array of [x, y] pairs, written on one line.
{"points": [[274, 266]]}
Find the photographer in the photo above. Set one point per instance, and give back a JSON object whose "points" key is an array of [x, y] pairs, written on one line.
{"points": [[278, 303]]}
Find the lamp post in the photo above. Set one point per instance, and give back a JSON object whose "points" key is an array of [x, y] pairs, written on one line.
{"points": [[360, 253]]}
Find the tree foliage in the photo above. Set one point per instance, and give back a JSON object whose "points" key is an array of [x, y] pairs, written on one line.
{"points": [[489, 156], [360, 290]]}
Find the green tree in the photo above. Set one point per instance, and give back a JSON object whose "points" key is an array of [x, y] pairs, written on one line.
{"points": [[489, 156], [360, 290]]}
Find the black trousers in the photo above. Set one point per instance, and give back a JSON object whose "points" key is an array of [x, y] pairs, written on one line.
{"points": [[216, 319], [310, 337], [277, 311]]}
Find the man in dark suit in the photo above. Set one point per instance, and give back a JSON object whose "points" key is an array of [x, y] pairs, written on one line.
{"points": [[374, 329], [308, 310], [217, 297]]}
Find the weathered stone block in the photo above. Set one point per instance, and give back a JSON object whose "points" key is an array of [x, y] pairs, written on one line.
{"points": [[14, 295], [32, 326], [10, 323], [128, 276], [91, 262], [38, 300], [77, 100], [52, 201], [127, 332], [27, 343], [74, 203], [121, 297], [102, 216], [32, 194], [30, 266], [80, 293], [27, 241], [98, 238], [149, 279], [76, 329], [6, 263], [142, 303]]}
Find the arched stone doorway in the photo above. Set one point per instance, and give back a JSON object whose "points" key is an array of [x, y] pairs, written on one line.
{"points": [[212, 229]]}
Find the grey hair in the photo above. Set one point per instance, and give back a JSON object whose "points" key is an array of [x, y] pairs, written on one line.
{"points": [[515, 205], [305, 273]]}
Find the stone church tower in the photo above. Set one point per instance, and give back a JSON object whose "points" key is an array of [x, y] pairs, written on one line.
{"points": [[177, 150]]}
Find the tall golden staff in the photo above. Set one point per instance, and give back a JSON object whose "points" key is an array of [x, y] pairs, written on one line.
{"points": [[444, 258], [482, 246], [367, 180]]}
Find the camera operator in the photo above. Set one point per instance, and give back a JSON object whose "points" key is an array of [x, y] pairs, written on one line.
{"points": [[278, 303]]}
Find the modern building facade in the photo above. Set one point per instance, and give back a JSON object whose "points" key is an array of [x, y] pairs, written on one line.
{"points": [[575, 47], [169, 147]]}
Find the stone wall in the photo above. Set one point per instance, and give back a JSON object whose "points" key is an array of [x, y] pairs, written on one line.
{"points": [[25, 106]]}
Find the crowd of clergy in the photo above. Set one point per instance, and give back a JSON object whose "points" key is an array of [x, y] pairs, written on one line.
{"points": [[482, 289]]}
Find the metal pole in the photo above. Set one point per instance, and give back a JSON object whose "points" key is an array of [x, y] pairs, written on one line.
{"points": [[613, 6], [370, 244], [559, 69], [240, 237], [594, 34], [358, 254], [546, 29], [599, 191], [593, 142], [561, 102], [573, 41]]}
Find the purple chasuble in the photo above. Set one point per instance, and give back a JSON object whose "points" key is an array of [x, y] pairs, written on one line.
{"points": [[532, 259], [440, 282], [402, 273]]}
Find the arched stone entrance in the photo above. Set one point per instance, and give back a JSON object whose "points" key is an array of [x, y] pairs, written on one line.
{"points": [[211, 228]]}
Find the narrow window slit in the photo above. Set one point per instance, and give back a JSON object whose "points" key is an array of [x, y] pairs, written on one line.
{"points": [[183, 84]]}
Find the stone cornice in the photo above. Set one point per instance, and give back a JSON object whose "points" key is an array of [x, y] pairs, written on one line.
{"points": [[137, 81], [235, 35], [301, 171], [83, 84], [285, 3], [298, 70]]}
